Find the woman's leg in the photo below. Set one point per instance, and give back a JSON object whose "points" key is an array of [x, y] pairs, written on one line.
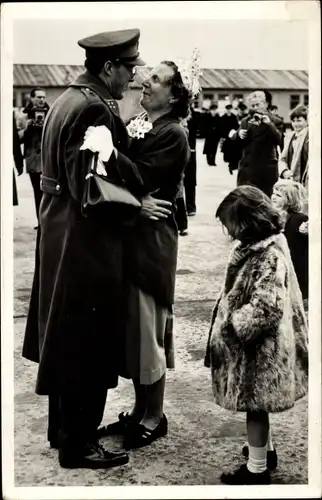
{"points": [[140, 404], [257, 432], [154, 408]]}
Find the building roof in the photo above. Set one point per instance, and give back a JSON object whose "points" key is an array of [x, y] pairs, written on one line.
{"points": [[60, 75]]}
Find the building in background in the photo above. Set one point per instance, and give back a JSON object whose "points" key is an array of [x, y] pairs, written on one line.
{"points": [[288, 87]]}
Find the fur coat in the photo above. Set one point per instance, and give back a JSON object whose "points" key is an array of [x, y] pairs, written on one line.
{"points": [[257, 346]]}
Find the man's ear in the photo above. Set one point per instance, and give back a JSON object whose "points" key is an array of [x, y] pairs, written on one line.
{"points": [[108, 67]]}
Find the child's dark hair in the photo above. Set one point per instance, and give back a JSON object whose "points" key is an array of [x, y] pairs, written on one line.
{"points": [[299, 112], [249, 215]]}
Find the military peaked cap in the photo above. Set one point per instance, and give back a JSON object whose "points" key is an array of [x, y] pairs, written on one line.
{"points": [[119, 46]]}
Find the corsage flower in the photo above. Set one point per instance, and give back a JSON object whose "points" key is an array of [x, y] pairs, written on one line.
{"points": [[139, 126]]}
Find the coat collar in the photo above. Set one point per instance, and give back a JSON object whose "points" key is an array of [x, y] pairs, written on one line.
{"points": [[93, 83], [239, 252], [162, 121]]}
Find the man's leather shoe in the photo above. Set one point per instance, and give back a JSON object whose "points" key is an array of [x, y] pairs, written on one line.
{"points": [[93, 457]]}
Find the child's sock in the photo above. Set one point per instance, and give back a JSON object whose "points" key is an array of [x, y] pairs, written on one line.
{"points": [[257, 460], [270, 446]]}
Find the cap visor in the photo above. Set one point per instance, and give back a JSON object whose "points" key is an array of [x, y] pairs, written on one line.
{"points": [[139, 62]]}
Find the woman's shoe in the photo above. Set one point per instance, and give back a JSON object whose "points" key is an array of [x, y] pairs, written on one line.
{"points": [[271, 457], [244, 476], [139, 435], [116, 428], [183, 232]]}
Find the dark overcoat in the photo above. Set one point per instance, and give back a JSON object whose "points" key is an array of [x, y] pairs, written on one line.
{"points": [[161, 157], [299, 248], [17, 157], [84, 264], [259, 162], [212, 133], [75, 313]]}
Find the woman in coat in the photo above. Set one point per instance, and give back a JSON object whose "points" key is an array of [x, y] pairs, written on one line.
{"points": [[257, 347], [161, 153]]}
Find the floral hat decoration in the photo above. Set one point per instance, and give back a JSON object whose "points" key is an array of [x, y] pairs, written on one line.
{"points": [[190, 72]]}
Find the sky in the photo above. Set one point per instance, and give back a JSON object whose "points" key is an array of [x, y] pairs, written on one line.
{"points": [[229, 44]]}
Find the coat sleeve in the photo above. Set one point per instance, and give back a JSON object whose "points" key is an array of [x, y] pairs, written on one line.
{"points": [[77, 162], [282, 163], [274, 133], [264, 310], [207, 360], [150, 169]]}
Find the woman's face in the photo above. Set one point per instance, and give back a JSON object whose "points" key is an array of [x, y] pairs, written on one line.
{"points": [[299, 123], [156, 93], [278, 199]]}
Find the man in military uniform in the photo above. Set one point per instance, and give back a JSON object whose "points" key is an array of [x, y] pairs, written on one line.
{"points": [[77, 305]]}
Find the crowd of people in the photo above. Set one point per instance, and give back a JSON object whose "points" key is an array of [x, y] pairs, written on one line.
{"points": [[102, 298]]}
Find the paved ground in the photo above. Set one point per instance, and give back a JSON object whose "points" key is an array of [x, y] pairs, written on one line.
{"points": [[203, 439]]}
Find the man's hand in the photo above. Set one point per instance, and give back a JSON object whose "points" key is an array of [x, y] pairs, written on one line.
{"points": [[155, 209], [242, 133], [287, 174], [266, 119]]}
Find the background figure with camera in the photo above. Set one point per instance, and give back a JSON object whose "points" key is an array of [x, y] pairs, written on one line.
{"points": [[259, 137], [36, 112]]}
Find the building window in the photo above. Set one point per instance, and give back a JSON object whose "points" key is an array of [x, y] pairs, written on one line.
{"points": [[306, 99], [208, 97], [25, 99], [238, 97], [223, 97], [294, 100]]}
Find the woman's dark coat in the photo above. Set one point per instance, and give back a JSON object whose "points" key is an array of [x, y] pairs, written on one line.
{"points": [[162, 156], [76, 315], [259, 163]]}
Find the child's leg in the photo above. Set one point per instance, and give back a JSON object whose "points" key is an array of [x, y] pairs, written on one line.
{"points": [[257, 432]]}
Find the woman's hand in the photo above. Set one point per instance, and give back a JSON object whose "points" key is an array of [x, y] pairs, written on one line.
{"points": [[155, 209], [304, 228], [99, 140]]}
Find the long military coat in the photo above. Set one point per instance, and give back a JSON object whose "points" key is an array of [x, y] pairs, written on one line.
{"points": [[76, 317]]}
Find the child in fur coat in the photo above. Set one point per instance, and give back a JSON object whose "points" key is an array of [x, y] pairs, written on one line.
{"points": [[257, 347]]}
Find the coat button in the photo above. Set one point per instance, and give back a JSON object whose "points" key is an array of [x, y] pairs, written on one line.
{"points": [[57, 187]]}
